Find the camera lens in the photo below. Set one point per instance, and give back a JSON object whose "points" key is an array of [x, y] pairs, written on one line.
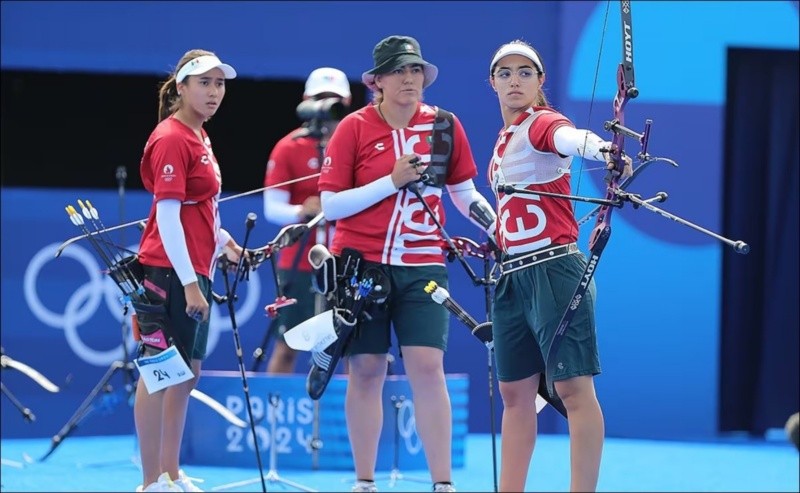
{"points": [[329, 109]]}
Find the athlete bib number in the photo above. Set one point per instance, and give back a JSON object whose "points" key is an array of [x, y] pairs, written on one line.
{"points": [[163, 370]]}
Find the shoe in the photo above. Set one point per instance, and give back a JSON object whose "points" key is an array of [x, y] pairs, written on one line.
{"points": [[185, 482], [164, 483], [443, 488], [365, 486]]}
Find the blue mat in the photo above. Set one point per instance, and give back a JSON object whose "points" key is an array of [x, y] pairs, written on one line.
{"points": [[108, 463]]}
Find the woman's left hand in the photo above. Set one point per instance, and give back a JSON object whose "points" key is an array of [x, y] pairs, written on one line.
{"points": [[627, 167]]}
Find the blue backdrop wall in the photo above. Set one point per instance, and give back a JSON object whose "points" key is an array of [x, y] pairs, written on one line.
{"points": [[658, 283]]}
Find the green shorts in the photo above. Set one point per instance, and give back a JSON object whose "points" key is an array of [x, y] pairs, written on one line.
{"points": [[528, 306], [298, 287], [193, 335], [416, 318]]}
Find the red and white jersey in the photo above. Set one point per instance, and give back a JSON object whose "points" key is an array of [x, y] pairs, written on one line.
{"points": [[177, 165], [397, 230], [525, 156], [291, 159]]}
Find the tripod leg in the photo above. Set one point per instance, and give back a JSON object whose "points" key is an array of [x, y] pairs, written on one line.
{"points": [[26, 413], [316, 442], [84, 409]]}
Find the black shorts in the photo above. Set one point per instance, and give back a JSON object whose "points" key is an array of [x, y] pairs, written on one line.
{"points": [[191, 336]]}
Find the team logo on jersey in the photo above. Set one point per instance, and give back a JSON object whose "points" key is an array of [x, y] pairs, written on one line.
{"points": [[204, 159], [326, 164], [168, 172], [379, 146], [313, 163]]}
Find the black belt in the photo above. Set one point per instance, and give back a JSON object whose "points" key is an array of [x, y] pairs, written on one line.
{"points": [[521, 261]]}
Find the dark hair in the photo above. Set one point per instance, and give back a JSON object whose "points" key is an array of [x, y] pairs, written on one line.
{"points": [[541, 99], [168, 99]]}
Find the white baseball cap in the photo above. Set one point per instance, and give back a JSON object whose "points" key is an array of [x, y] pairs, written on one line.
{"points": [[327, 79], [203, 64], [516, 49]]}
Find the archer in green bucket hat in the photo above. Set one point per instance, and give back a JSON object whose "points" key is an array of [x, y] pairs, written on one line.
{"points": [[394, 52]]}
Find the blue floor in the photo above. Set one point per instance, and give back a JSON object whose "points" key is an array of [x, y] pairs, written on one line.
{"points": [[107, 464]]}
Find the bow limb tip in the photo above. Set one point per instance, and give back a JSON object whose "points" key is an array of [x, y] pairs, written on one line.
{"points": [[741, 247]]}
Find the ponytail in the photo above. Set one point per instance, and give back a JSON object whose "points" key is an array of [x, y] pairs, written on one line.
{"points": [[168, 99]]}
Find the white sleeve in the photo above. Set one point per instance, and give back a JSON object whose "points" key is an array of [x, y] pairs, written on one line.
{"points": [[472, 205], [168, 218], [223, 238], [338, 205], [277, 208], [571, 141]]}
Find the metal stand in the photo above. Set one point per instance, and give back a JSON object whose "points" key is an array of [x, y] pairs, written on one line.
{"points": [[272, 475], [27, 415], [102, 387], [395, 475], [320, 305], [317, 130], [241, 271], [124, 365]]}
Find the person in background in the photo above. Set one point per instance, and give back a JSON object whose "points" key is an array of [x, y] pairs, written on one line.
{"points": [[178, 250], [296, 156], [375, 153]]}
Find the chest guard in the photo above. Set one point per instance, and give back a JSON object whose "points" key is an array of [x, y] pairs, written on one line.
{"points": [[521, 164]]}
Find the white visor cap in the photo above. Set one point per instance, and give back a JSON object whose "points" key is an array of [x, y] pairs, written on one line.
{"points": [[203, 64], [327, 79], [515, 49]]}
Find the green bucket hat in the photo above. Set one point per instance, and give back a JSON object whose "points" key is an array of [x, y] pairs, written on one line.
{"points": [[394, 52]]}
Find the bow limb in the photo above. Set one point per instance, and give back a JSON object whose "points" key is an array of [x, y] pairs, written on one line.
{"points": [[626, 90], [6, 362], [223, 411]]}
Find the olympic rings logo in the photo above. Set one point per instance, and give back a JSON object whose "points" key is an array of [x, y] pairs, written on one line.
{"points": [[82, 305], [407, 426]]}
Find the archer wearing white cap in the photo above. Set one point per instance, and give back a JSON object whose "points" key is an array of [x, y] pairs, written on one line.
{"points": [[542, 267], [177, 251], [296, 156]]}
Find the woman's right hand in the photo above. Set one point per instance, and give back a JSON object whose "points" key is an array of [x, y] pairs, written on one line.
{"points": [[407, 169], [196, 304], [310, 208]]}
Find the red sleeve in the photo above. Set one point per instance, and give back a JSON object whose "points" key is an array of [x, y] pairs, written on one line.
{"points": [[462, 163], [167, 166], [542, 131], [337, 172], [279, 167]]}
